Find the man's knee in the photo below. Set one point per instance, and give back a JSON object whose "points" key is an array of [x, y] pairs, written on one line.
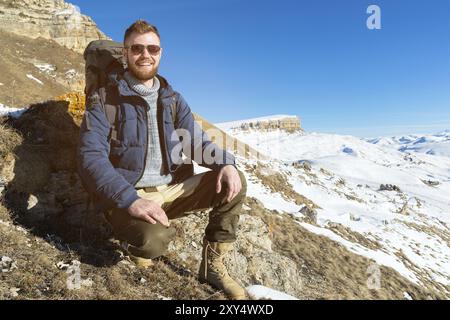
{"points": [[243, 191], [239, 197], [152, 241]]}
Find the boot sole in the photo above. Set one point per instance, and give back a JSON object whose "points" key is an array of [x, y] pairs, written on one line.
{"points": [[142, 262]]}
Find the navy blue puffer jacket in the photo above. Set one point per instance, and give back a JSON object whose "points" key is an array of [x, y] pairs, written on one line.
{"points": [[109, 168]]}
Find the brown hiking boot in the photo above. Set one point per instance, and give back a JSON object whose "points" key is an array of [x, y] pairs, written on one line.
{"points": [[138, 261], [213, 271], [141, 262]]}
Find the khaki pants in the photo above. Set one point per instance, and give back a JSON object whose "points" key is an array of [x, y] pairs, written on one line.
{"points": [[196, 193]]}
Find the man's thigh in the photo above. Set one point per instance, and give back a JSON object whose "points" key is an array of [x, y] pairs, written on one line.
{"points": [[200, 194], [143, 239]]}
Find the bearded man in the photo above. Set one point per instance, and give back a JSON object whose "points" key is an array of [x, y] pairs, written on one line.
{"points": [[135, 176]]}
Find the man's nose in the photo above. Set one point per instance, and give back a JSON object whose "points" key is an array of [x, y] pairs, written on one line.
{"points": [[146, 54]]}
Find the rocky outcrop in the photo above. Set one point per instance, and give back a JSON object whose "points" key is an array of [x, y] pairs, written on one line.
{"points": [[252, 260], [50, 19], [288, 124]]}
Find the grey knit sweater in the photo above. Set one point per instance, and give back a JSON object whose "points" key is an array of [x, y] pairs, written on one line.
{"points": [[153, 172]]}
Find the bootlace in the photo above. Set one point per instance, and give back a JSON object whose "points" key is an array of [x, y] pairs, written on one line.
{"points": [[222, 273], [205, 258]]}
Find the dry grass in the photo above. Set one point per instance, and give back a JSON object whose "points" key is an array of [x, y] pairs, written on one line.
{"points": [[18, 55], [353, 236], [330, 271], [9, 140], [432, 230], [38, 277], [278, 183]]}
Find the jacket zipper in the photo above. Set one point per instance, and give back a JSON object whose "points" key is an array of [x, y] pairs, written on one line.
{"points": [[146, 143], [163, 138]]}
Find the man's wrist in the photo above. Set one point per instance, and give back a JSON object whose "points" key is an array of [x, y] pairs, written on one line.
{"points": [[131, 201]]}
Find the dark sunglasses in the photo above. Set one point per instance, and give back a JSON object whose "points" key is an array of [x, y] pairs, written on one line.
{"points": [[139, 49]]}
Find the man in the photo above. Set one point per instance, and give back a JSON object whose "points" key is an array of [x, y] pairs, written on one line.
{"points": [[135, 175]]}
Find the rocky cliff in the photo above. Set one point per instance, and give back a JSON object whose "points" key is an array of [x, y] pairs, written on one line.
{"points": [[279, 122], [50, 19], [289, 124]]}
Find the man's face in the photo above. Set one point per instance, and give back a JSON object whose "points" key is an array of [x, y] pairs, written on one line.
{"points": [[144, 65]]}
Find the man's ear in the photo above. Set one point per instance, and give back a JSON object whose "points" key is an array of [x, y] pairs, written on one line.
{"points": [[124, 57]]}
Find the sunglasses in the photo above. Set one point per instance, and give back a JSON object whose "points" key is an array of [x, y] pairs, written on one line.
{"points": [[139, 49]]}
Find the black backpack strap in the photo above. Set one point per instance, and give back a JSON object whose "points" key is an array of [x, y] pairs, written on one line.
{"points": [[110, 112]]}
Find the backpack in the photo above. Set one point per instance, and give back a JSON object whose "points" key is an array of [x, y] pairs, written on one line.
{"points": [[101, 58]]}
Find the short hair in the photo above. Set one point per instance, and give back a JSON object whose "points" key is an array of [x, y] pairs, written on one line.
{"points": [[141, 27]]}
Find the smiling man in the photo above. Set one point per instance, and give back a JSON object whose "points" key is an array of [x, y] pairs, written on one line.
{"points": [[135, 174]]}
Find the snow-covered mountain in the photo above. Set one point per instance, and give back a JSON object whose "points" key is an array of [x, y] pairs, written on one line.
{"points": [[385, 199], [434, 144]]}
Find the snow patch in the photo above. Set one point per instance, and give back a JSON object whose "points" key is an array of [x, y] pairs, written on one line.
{"points": [[378, 256], [10, 112], [258, 292], [45, 67], [70, 74], [407, 296], [70, 10], [343, 178], [71, 15], [29, 76]]}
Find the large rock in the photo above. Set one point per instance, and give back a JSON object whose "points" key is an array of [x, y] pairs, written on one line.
{"points": [[49, 19], [284, 123], [252, 261]]}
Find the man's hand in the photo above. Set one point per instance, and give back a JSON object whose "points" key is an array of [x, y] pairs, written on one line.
{"points": [[230, 176], [148, 211]]}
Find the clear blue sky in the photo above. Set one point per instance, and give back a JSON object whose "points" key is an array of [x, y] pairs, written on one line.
{"points": [[237, 59]]}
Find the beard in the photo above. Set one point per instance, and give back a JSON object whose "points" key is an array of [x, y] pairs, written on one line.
{"points": [[142, 73]]}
